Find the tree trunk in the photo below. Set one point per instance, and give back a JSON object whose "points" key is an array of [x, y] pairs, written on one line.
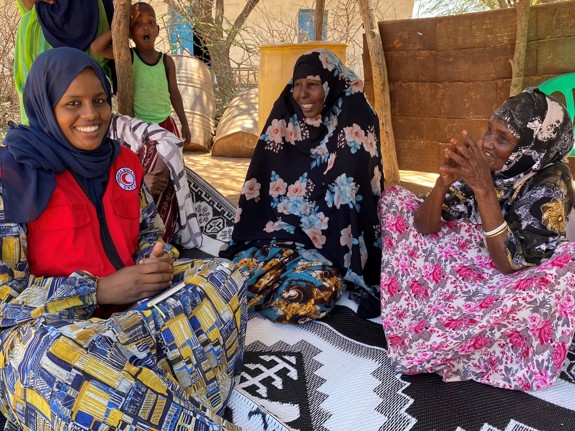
{"points": [[226, 89], [122, 58], [319, 13], [381, 91], [518, 63]]}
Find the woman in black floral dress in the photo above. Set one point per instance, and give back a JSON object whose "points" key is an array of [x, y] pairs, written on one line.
{"points": [[307, 225]]}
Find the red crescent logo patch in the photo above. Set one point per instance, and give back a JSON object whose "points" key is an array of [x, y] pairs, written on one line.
{"points": [[126, 178]]}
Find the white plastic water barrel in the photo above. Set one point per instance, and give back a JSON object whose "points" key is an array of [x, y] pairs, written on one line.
{"points": [[195, 83], [237, 131]]}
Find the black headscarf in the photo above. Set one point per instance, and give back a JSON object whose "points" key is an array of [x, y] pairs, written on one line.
{"points": [[35, 154], [71, 23], [316, 181], [545, 132]]}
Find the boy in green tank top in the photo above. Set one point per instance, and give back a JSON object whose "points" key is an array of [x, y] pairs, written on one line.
{"points": [[155, 86]]}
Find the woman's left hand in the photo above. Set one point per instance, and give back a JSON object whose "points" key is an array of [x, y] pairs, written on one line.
{"points": [[158, 255]]}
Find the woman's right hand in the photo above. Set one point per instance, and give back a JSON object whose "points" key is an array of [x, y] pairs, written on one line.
{"points": [[446, 170], [134, 283], [427, 217]]}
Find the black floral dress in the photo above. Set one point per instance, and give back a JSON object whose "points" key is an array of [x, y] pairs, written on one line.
{"points": [[307, 223]]}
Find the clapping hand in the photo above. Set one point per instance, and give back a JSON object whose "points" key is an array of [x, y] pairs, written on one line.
{"points": [[466, 160]]}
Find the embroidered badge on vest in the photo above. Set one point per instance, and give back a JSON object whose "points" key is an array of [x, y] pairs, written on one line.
{"points": [[126, 178]]}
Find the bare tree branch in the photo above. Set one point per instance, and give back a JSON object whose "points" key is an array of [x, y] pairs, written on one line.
{"points": [[240, 20], [319, 13], [219, 17], [9, 18]]}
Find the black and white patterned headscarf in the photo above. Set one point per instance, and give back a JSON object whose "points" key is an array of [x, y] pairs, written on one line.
{"points": [[545, 132]]}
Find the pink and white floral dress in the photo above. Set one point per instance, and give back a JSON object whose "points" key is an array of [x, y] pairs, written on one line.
{"points": [[447, 309]]}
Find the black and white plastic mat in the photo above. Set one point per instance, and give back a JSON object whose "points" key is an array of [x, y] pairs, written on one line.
{"points": [[334, 375]]}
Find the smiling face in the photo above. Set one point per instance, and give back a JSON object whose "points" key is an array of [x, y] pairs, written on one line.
{"points": [[145, 30], [309, 95], [83, 112], [498, 143]]}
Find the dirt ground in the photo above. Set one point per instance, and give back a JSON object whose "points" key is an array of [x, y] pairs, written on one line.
{"points": [[227, 174]]}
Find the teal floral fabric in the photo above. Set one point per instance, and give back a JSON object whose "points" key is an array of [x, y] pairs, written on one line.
{"points": [[289, 285]]}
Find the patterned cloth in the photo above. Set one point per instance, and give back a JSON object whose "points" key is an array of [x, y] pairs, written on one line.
{"points": [[446, 308], [313, 184], [534, 187], [166, 202], [290, 285], [163, 368], [149, 140]]}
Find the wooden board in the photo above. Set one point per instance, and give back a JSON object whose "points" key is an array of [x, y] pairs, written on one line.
{"points": [[447, 74]]}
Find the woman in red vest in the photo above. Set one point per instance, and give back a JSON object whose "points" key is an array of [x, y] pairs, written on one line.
{"points": [[80, 238]]}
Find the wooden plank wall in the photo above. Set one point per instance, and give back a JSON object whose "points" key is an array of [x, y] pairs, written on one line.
{"points": [[447, 74]]}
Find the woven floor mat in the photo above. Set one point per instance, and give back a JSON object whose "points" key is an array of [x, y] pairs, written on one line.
{"points": [[335, 375]]}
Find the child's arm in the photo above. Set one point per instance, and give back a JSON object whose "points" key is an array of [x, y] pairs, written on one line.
{"points": [[28, 4], [102, 45], [176, 99]]}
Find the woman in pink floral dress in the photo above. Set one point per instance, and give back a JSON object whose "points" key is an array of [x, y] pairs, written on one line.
{"points": [[478, 280]]}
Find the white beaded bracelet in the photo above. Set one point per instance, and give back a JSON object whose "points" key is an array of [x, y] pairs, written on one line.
{"points": [[499, 229]]}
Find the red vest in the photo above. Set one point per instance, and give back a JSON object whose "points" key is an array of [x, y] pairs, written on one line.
{"points": [[67, 236]]}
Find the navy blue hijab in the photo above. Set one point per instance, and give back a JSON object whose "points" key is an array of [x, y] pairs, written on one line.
{"points": [[35, 154], [71, 23]]}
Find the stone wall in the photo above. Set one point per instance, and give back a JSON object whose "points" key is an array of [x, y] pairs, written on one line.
{"points": [[447, 74]]}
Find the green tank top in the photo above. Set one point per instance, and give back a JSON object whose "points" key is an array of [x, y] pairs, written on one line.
{"points": [[151, 93]]}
